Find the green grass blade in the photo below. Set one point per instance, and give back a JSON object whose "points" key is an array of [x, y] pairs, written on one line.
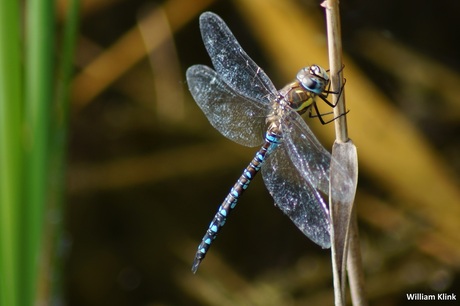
{"points": [[58, 150], [38, 91], [10, 150]]}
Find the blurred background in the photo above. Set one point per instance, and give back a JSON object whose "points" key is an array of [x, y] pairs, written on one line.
{"points": [[146, 171]]}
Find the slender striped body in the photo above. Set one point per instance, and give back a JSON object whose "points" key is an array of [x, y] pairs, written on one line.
{"points": [[241, 102], [272, 140]]}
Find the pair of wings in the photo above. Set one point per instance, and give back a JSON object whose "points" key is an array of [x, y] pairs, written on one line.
{"points": [[236, 97]]}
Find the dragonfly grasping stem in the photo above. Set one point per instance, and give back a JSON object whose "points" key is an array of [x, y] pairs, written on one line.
{"points": [[336, 67]]}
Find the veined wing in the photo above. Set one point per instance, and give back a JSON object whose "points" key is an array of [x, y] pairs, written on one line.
{"points": [[309, 157], [296, 197], [236, 117], [230, 61]]}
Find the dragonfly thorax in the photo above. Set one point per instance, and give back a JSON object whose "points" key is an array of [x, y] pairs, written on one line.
{"points": [[297, 97], [273, 119]]}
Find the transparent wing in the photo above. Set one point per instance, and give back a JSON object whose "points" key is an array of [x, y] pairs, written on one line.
{"points": [[236, 68], [308, 155], [310, 158], [296, 197], [236, 117]]}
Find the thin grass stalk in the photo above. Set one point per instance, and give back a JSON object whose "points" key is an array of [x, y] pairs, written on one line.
{"points": [[345, 153], [10, 151], [336, 67], [38, 96], [335, 61], [51, 265], [354, 265]]}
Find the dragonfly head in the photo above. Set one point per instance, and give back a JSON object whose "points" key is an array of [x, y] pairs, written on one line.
{"points": [[313, 78]]}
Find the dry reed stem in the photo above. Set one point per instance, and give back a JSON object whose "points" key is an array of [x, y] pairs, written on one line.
{"points": [[344, 222]]}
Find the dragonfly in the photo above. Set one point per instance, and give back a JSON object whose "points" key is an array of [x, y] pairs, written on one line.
{"points": [[241, 102]]}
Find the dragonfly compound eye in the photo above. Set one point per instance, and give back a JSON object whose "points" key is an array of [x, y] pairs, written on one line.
{"points": [[315, 70], [319, 72], [309, 81], [312, 84]]}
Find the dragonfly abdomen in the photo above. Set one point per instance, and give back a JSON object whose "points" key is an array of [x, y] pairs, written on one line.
{"points": [[272, 140]]}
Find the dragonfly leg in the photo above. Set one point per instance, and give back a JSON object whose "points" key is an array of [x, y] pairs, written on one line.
{"points": [[327, 92], [320, 115]]}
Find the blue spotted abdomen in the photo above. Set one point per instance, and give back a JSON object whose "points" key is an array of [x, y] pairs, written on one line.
{"points": [[271, 142]]}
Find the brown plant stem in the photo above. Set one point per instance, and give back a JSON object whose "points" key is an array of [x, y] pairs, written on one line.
{"points": [[354, 265]]}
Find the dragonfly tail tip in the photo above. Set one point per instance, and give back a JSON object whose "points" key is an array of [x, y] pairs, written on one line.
{"points": [[196, 264]]}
